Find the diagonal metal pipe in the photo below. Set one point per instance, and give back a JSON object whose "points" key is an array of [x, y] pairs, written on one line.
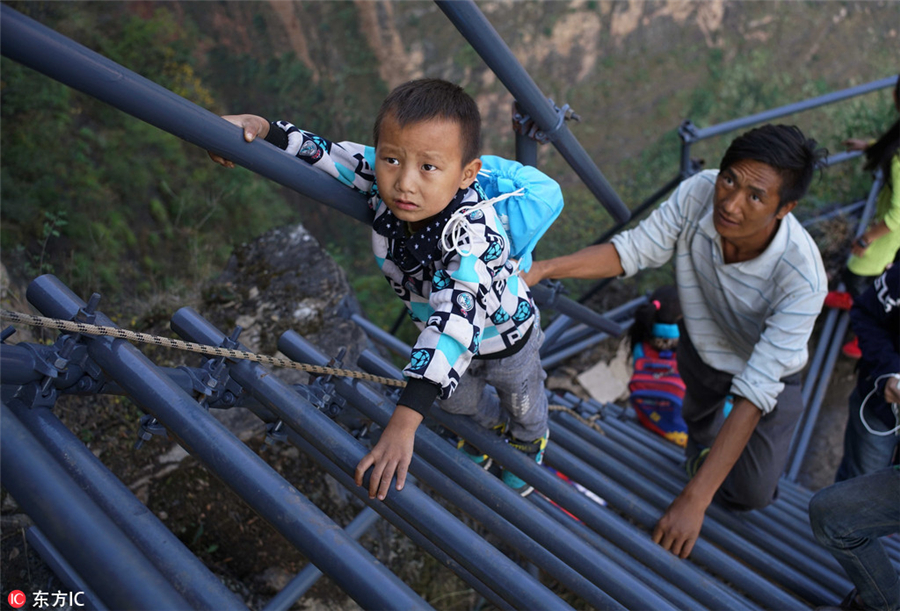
{"points": [[190, 577], [609, 577], [40, 48], [471, 551], [110, 564], [478, 31], [313, 533]]}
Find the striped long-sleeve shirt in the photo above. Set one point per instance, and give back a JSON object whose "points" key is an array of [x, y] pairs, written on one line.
{"points": [[751, 319]]}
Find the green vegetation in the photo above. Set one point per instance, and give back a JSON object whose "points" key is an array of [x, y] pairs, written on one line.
{"points": [[111, 204]]}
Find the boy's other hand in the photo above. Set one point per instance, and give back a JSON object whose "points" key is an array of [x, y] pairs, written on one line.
{"points": [[253, 126], [392, 454]]}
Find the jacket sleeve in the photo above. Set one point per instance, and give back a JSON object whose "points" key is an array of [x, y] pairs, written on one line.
{"points": [[452, 334], [351, 163], [871, 319]]}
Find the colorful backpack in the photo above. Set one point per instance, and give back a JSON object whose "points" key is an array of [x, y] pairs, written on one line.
{"points": [[526, 201], [656, 392]]}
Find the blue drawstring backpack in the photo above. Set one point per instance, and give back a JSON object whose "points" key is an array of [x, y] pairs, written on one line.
{"points": [[526, 202]]}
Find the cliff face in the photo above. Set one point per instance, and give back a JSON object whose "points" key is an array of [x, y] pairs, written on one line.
{"points": [[628, 67]]}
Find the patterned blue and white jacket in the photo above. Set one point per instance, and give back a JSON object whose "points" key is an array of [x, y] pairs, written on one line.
{"points": [[466, 304]]}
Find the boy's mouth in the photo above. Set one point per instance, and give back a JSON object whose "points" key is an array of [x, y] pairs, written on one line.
{"points": [[402, 204]]}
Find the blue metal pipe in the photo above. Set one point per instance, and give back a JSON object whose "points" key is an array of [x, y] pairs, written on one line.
{"points": [[554, 330], [648, 578], [467, 548], [40, 48], [107, 561], [321, 540], [305, 579], [774, 518], [813, 408], [715, 560], [720, 526], [526, 150], [558, 356], [841, 157], [599, 519], [637, 212], [667, 472], [190, 577], [847, 210], [395, 520], [548, 298], [781, 111], [489, 490], [382, 337], [567, 333], [472, 24], [704, 553], [495, 524], [63, 570]]}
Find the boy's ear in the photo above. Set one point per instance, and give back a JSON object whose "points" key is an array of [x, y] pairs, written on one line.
{"points": [[470, 173]]}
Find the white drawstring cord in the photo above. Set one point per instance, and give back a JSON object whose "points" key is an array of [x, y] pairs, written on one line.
{"points": [[894, 408], [457, 226]]}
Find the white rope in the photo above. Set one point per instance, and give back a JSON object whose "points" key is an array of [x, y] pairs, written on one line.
{"points": [[894, 408], [146, 338]]}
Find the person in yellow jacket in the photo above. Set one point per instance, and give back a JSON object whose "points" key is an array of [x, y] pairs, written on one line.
{"points": [[877, 247]]}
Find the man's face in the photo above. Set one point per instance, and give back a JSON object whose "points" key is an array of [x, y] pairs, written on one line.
{"points": [[745, 207], [419, 168]]}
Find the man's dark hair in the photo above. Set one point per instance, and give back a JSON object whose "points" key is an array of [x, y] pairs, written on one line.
{"points": [[429, 98], [783, 147]]}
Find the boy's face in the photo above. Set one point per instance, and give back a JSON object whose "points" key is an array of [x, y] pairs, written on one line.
{"points": [[419, 168]]}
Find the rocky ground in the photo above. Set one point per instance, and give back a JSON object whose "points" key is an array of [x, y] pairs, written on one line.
{"points": [[282, 280]]}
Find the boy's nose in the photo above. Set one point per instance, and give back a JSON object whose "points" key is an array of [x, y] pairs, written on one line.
{"points": [[405, 182]]}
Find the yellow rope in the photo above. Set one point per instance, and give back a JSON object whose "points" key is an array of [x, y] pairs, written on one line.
{"points": [[146, 338]]}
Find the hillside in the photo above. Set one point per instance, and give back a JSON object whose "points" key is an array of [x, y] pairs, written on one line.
{"points": [[145, 202]]}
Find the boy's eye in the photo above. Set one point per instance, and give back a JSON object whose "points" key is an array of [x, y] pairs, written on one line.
{"points": [[428, 167], [728, 181], [391, 160], [755, 197]]}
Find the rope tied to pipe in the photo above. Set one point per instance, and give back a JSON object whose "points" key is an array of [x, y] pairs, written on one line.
{"points": [[165, 342]]}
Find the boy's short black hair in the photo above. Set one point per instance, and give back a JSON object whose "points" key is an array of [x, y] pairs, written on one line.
{"points": [[430, 98], [783, 147]]}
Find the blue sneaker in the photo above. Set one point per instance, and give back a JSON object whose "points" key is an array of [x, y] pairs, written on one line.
{"points": [[533, 449], [476, 455]]}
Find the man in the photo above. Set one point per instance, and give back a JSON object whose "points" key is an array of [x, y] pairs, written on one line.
{"points": [[751, 284]]}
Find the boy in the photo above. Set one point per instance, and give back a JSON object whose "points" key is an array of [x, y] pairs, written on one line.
{"points": [[473, 311]]}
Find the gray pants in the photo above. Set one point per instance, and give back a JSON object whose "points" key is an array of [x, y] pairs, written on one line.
{"points": [[753, 481], [519, 381]]}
